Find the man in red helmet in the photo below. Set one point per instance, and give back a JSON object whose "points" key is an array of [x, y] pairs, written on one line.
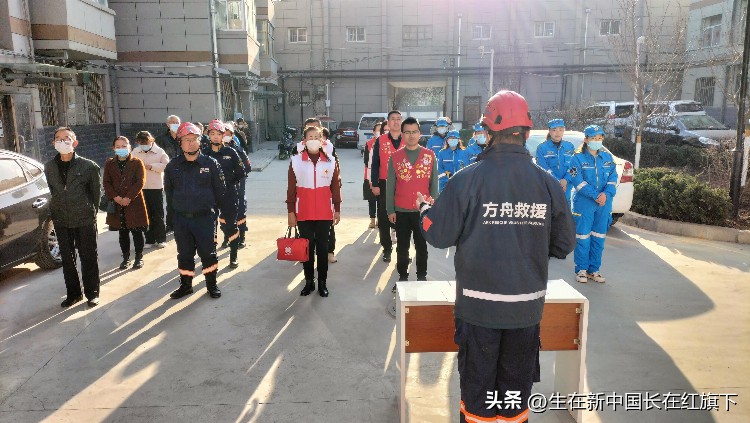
{"points": [[506, 217]]}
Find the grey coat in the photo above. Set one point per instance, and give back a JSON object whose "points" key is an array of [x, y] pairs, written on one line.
{"points": [[74, 202]]}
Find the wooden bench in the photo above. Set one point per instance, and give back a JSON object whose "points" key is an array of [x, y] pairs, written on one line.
{"points": [[425, 323]]}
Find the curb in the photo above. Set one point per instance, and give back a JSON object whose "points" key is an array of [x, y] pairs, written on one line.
{"points": [[693, 230]]}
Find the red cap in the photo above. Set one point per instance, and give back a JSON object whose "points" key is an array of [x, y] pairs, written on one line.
{"points": [[506, 109], [187, 128], [216, 125]]}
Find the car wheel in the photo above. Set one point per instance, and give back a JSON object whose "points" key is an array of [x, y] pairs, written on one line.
{"points": [[49, 256]]}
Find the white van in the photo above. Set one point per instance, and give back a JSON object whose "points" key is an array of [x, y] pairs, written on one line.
{"points": [[364, 129]]}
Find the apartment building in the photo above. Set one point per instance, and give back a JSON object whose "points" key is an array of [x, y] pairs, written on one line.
{"points": [[347, 57], [715, 37]]}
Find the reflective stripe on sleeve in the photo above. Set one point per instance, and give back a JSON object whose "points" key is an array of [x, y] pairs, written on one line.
{"points": [[502, 297], [611, 183], [581, 185]]}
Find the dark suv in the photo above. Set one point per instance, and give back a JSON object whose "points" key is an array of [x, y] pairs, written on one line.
{"points": [[346, 135], [26, 230]]}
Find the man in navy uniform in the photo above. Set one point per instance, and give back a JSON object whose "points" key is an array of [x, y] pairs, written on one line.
{"points": [[194, 185], [234, 172]]}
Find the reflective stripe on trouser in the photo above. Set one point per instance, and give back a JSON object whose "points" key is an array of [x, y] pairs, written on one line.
{"points": [[193, 234], [496, 360], [228, 215], [242, 206], [592, 223]]}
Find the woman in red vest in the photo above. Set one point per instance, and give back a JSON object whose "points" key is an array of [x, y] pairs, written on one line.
{"points": [[372, 201], [314, 204]]}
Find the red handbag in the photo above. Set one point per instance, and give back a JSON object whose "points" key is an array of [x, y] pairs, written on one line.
{"points": [[293, 249]]}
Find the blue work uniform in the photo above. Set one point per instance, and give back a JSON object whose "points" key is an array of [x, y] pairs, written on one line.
{"points": [[591, 175], [473, 150], [450, 161], [436, 143], [555, 159], [234, 172], [194, 191]]}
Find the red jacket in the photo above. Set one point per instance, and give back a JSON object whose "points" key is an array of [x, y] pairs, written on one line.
{"points": [[314, 187]]}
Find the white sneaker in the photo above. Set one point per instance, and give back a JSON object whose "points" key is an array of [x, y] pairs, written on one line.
{"points": [[393, 235], [581, 276], [597, 277], [160, 245], [148, 245]]}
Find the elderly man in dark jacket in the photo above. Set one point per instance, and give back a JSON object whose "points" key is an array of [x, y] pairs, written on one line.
{"points": [[75, 185], [168, 140]]}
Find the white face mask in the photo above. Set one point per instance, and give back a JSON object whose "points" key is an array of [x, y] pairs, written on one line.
{"points": [[174, 126], [313, 146], [376, 134], [227, 139], [145, 147], [64, 147], [442, 130]]}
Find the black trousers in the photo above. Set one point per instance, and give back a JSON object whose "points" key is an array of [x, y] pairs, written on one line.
{"points": [[155, 208], [193, 234], [407, 224], [373, 206], [384, 225], [496, 360], [82, 239], [317, 232], [125, 242], [332, 239]]}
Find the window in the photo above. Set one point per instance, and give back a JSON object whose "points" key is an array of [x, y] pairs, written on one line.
{"points": [[610, 28], [265, 37], [417, 35], [481, 32], [711, 31], [94, 87], [48, 99], [355, 34], [544, 29], [704, 90], [229, 14], [11, 175], [31, 170], [297, 35]]}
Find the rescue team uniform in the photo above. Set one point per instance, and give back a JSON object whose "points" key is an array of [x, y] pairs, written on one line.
{"points": [[314, 194], [555, 159], [241, 194], [449, 162], [234, 172], [410, 172], [436, 142], [473, 150], [591, 175], [384, 146], [498, 213], [194, 191]]}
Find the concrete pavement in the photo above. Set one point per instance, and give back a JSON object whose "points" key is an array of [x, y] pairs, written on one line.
{"points": [[673, 317]]}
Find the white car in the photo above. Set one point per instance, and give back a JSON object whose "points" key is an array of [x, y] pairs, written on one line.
{"points": [[624, 197]]}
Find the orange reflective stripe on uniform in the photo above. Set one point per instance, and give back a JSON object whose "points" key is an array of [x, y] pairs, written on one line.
{"points": [[235, 236], [517, 419], [241, 221], [210, 269], [473, 418], [222, 220], [187, 272]]}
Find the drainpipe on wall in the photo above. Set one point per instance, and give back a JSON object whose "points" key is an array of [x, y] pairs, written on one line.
{"points": [[28, 25], [214, 59], [114, 88]]}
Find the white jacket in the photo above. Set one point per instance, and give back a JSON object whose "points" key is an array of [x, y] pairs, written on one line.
{"points": [[157, 159]]}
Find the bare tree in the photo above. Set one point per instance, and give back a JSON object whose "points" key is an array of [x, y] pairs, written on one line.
{"points": [[650, 54]]}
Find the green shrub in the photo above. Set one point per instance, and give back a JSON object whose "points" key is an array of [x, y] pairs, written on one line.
{"points": [[466, 135], [655, 155], [668, 194]]}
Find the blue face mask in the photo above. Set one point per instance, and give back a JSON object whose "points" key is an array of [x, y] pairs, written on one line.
{"points": [[481, 139], [595, 145], [145, 147], [122, 152], [453, 143]]}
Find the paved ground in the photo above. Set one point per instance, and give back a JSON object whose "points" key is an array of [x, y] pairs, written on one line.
{"points": [[673, 317]]}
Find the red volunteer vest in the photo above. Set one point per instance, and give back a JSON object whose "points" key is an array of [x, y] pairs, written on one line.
{"points": [[386, 149], [314, 198], [368, 146], [412, 178]]}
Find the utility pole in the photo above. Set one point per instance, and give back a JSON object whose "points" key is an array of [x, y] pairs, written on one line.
{"points": [[735, 186]]}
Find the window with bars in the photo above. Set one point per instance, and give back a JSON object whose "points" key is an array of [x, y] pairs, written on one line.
{"points": [[227, 98], [95, 106], [704, 90], [297, 35], [481, 32], [610, 27], [355, 34], [544, 29], [711, 31], [417, 35], [48, 100]]}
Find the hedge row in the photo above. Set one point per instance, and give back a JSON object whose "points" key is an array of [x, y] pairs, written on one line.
{"points": [[654, 155], [667, 194]]}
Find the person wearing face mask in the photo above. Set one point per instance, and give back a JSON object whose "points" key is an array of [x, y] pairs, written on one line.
{"points": [[477, 143], [155, 161], [593, 174], [124, 178], [437, 140], [372, 201], [168, 140], [452, 158], [234, 172], [75, 189], [194, 185], [313, 200], [555, 154], [230, 140]]}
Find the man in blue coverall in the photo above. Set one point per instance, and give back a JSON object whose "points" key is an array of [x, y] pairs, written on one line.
{"points": [[554, 155], [593, 174], [194, 185], [437, 140], [477, 143], [451, 159]]}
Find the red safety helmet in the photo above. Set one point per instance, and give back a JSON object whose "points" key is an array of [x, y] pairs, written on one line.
{"points": [[216, 125], [506, 109], [187, 128]]}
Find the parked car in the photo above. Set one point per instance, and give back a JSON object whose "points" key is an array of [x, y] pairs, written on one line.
{"points": [[346, 135], [613, 116], [364, 129], [693, 129], [426, 127], [624, 198], [26, 229]]}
